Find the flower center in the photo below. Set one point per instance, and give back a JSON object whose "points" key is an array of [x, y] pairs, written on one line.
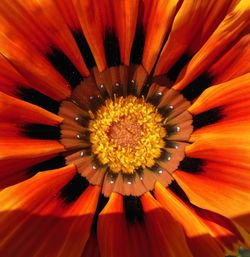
{"points": [[126, 134]]}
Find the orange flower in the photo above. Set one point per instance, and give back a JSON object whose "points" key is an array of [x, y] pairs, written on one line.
{"points": [[124, 128]]}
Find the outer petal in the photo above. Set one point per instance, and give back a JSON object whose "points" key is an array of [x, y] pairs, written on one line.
{"points": [[157, 18], [18, 111], [112, 229], [93, 26], [163, 230], [234, 63], [36, 222], [31, 64], [199, 237], [19, 147], [189, 26], [232, 97], [228, 32], [43, 20]]}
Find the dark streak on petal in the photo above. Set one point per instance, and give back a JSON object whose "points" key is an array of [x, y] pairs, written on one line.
{"points": [[84, 48], [178, 66], [208, 117], [34, 97], [191, 165], [53, 163], [40, 131], [195, 88], [73, 189], [133, 208], [102, 201], [65, 67], [112, 48], [175, 188], [138, 45]]}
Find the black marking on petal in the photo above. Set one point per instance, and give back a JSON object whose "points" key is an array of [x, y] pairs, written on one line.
{"points": [[53, 163], [191, 165], [84, 48], [133, 209], [73, 189], [145, 89], [156, 168], [132, 88], [112, 48], [208, 117], [102, 201], [41, 131], [95, 103], [195, 88], [178, 66], [65, 67], [174, 187], [170, 144], [118, 89], [138, 45], [155, 98], [171, 129], [165, 155], [34, 97], [166, 110]]}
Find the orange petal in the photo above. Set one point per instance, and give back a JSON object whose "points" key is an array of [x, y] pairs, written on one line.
{"points": [[190, 26], [18, 111], [10, 78], [234, 63], [233, 96], [198, 237], [125, 17], [91, 248], [229, 200], [93, 25], [68, 12], [163, 230], [227, 33], [16, 148], [42, 19], [223, 230], [112, 230], [35, 205], [157, 14], [13, 172], [30, 63]]}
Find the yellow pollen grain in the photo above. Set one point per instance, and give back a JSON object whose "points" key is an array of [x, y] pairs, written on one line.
{"points": [[126, 134]]}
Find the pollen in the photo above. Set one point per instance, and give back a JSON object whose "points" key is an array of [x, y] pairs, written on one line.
{"points": [[126, 134]]}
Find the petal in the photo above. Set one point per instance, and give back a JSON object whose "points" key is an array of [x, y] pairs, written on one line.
{"points": [[93, 26], [112, 230], [227, 33], [125, 17], [16, 148], [15, 110], [232, 97], [198, 237], [163, 230], [210, 193], [234, 63], [43, 20], [91, 248], [190, 26], [32, 65], [160, 15], [225, 231], [36, 222]]}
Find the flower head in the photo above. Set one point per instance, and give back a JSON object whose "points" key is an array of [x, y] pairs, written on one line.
{"points": [[124, 128]]}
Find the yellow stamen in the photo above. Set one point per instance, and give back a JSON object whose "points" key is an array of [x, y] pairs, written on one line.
{"points": [[126, 134]]}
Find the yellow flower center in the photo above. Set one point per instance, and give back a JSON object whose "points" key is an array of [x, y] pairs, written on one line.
{"points": [[127, 133]]}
